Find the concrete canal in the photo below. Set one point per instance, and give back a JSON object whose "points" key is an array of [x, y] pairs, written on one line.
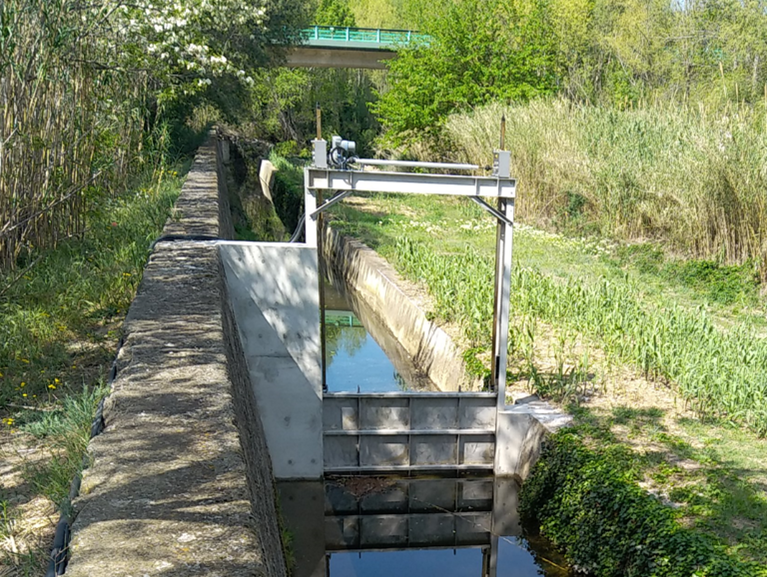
{"points": [[385, 526]]}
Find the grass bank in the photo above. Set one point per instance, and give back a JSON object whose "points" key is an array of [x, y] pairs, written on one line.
{"points": [[60, 319], [692, 178], [661, 367]]}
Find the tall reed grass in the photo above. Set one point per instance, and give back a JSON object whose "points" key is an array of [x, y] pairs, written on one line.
{"points": [[690, 177], [69, 120]]}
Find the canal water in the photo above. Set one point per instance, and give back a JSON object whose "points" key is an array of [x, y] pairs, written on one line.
{"points": [[416, 527], [361, 354], [401, 527]]}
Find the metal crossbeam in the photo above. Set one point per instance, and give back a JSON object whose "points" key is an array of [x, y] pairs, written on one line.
{"points": [[406, 182]]}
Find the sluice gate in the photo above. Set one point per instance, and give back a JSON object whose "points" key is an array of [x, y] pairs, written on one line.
{"points": [[408, 432], [276, 296], [277, 300]]}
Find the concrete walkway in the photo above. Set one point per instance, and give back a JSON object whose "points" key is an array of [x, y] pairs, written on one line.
{"points": [[170, 492]]}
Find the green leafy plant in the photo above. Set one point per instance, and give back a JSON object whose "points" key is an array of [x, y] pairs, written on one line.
{"points": [[620, 529]]}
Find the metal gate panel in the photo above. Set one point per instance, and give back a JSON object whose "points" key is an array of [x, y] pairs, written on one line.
{"points": [[403, 432]]}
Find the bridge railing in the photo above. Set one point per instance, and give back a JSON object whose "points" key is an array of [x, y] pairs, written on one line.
{"points": [[375, 36]]}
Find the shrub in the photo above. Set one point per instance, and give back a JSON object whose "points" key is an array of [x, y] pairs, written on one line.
{"points": [[588, 503]]}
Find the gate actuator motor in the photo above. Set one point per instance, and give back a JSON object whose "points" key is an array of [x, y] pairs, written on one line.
{"points": [[342, 152]]}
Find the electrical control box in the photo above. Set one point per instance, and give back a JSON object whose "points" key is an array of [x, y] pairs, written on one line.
{"points": [[320, 153], [502, 163]]}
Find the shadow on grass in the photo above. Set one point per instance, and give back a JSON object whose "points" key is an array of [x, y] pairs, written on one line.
{"points": [[711, 489]]}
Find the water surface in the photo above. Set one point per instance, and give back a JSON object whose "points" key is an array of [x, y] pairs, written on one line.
{"points": [[417, 527], [361, 354]]}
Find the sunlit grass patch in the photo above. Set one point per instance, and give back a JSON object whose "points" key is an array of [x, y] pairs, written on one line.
{"points": [[75, 294], [718, 372], [582, 309]]}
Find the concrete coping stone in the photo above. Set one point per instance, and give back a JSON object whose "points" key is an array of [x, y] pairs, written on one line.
{"points": [[544, 412]]}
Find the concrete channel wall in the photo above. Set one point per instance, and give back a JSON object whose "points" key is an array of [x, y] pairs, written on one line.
{"points": [[274, 292], [180, 482], [366, 276]]}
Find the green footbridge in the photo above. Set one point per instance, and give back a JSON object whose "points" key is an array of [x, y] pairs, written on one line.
{"points": [[346, 47]]}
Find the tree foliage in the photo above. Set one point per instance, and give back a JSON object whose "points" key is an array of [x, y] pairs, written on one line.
{"points": [[83, 87], [334, 13], [614, 52], [480, 50], [283, 100]]}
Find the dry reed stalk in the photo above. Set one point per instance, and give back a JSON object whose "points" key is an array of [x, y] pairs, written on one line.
{"points": [[694, 178], [60, 118]]}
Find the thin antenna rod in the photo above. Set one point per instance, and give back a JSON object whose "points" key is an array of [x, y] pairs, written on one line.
{"points": [[319, 121], [503, 133]]}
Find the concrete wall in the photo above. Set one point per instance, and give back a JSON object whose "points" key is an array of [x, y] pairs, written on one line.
{"points": [[273, 288], [521, 429], [170, 492], [370, 278]]}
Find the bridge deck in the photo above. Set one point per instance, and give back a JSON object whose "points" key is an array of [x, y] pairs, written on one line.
{"points": [[343, 47]]}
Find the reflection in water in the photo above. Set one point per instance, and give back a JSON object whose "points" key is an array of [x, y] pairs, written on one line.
{"points": [[388, 527], [354, 358], [513, 560]]}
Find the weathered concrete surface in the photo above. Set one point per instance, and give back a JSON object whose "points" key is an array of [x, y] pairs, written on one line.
{"points": [[273, 289], [168, 492], [521, 429], [370, 278], [198, 210]]}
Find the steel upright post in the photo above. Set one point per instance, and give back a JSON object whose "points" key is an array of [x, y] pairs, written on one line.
{"points": [[502, 300], [310, 205]]}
